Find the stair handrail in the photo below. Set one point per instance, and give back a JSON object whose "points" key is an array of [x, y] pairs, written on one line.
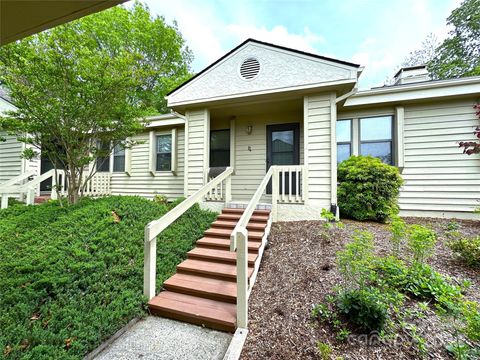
{"points": [[155, 227], [17, 179], [30, 187], [239, 242]]}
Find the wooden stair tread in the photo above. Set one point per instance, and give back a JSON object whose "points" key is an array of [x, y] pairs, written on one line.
{"points": [[218, 255], [236, 217], [210, 268], [206, 312], [241, 211], [225, 243], [203, 286], [225, 233], [254, 226]]}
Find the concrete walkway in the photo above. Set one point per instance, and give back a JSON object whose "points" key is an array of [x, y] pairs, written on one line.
{"points": [[160, 338]]}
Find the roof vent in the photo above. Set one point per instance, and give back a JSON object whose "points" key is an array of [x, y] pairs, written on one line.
{"points": [[249, 68]]}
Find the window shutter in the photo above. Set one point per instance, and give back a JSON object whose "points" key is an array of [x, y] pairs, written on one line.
{"points": [[174, 150], [128, 159], [399, 120], [152, 153]]}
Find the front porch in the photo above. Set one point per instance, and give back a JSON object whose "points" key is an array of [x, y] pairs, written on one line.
{"points": [[294, 133]]}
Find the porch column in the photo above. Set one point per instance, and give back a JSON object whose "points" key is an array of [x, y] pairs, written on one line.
{"points": [[319, 116], [197, 149]]}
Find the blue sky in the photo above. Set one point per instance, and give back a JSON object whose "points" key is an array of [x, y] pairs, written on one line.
{"points": [[377, 34]]}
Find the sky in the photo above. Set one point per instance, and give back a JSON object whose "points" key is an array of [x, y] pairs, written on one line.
{"points": [[377, 34]]}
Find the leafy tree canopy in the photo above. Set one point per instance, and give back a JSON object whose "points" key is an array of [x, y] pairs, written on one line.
{"points": [[88, 82], [459, 54]]}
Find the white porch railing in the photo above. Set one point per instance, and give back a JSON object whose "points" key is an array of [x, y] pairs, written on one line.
{"points": [[281, 192], [154, 228], [29, 188], [97, 185], [292, 181], [221, 191]]}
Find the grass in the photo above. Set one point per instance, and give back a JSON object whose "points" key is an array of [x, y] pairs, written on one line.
{"points": [[71, 277]]}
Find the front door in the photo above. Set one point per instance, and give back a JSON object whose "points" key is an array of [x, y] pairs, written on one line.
{"points": [[283, 148]]}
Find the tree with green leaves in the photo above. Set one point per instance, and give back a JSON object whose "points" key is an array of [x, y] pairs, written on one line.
{"points": [[459, 54], [82, 88]]}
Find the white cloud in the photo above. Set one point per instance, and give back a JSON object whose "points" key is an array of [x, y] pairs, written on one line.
{"points": [[210, 37], [383, 53], [279, 35]]}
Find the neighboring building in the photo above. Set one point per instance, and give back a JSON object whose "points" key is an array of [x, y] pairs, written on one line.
{"points": [[11, 163], [262, 105]]}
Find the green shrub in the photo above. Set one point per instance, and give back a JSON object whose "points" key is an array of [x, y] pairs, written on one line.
{"points": [[368, 188], [365, 308], [425, 283], [398, 229], [468, 249], [325, 350], [421, 242], [72, 276], [355, 262]]}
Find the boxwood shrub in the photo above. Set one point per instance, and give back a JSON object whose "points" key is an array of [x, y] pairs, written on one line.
{"points": [[71, 277], [368, 188]]}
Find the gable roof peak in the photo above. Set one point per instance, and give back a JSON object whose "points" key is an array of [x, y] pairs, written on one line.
{"points": [[266, 44]]}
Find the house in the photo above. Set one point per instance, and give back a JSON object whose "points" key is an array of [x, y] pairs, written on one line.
{"points": [[11, 162], [262, 105]]}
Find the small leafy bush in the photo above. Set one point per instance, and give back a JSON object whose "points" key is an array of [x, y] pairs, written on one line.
{"points": [[468, 249], [365, 308], [355, 262], [398, 229], [368, 188], [421, 242]]}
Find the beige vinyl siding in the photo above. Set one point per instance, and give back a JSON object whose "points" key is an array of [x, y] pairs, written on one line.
{"points": [[251, 151], [197, 149], [10, 160], [438, 176], [141, 182], [317, 115]]}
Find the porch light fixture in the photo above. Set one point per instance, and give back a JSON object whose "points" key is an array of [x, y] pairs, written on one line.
{"points": [[249, 129]]}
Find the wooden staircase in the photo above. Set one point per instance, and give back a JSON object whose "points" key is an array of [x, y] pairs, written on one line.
{"points": [[204, 289]]}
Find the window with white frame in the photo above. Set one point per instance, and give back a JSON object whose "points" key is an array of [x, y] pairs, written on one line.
{"points": [[344, 139], [118, 158], [163, 153], [376, 137]]}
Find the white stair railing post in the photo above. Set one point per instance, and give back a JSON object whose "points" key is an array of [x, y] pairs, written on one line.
{"points": [[30, 196], [242, 277], [149, 265], [4, 201], [228, 190], [275, 180]]}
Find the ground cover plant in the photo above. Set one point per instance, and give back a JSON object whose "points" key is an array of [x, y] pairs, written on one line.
{"points": [[71, 276], [424, 300]]}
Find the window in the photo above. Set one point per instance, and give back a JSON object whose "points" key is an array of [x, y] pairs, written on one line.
{"points": [[164, 153], [118, 158], [376, 138], [220, 148], [344, 140], [103, 162]]}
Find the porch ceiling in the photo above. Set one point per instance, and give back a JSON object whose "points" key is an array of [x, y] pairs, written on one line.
{"points": [[20, 19], [257, 107]]}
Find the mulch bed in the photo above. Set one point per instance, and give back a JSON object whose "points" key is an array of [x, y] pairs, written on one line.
{"points": [[298, 270]]}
